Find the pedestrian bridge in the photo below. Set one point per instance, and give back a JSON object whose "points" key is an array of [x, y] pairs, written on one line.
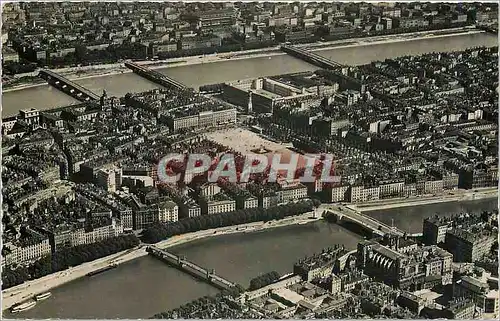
{"points": [[195, 270], [67, 86], [310, 57]]}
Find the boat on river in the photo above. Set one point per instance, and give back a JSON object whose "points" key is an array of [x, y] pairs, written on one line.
{"points": [[42, 296], [23, 307], [101, 270]]}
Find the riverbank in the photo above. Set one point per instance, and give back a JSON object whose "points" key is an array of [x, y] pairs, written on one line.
{"points": [[396, 39], [28, 289], [457, 196], [275, 51], [85, 72]]}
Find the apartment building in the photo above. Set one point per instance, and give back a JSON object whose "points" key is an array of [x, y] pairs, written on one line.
{"points": [[109, 178], [478, 289], [467, 246], [162, 212], [204, 119], [219, 203], [339, 193], [360, 193], [82, 236], [26, 252], [291, 193], [168, 211], [434, 230], [391, 188]]}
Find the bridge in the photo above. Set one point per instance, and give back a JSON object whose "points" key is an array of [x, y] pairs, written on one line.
{"points": [[310, 57], [346, 214], [154, 76], [191, 268], [67, 86]]}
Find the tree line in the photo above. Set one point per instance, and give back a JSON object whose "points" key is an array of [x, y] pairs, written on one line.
{"points": [[12, 68], [136, 51], [213, 88], [111, 54], [161, 231], [227, 47], [67, 257], [219, 306], [263, 280]]}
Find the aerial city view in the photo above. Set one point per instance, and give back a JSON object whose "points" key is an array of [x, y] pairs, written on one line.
{"points": [[249, 160]]}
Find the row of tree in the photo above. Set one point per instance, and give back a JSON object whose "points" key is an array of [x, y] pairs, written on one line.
{"points": [[199, 51], [213, 88], [136, 51], [324, 33], [12, 68], [263, 280], [161, 231], [111, 54], [66, 258], [219, 306]]}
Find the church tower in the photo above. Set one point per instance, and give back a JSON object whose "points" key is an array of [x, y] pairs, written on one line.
{"points": [[104, 97]]}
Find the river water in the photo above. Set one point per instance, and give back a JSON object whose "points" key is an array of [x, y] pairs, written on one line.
{"points": [[143, 287], [45, 97]]}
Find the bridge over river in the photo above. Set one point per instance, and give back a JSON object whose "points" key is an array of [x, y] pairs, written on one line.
{"points": [[347, 214], [67, 86], [154, 76], [195, 270], [310, 57]]}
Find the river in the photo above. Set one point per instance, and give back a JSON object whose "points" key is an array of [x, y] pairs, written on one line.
{"points": [[146, 286], [45, 97]]}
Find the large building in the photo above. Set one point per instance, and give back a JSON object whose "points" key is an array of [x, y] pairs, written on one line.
{"points": [[205, 119], [467, 246], [218, 203], [199, 42], [388, 265], [162, 212], [361, 193], [483, 291], [403, 264], [339, 193], [215, 18], [291, 192], [109, 178], [243, 198], [262, 94], [392, 188], [168, 211], [26, 251], [434, 230], [83, 235], [320, 265]]}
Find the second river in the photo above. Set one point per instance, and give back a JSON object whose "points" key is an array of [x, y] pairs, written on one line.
{"points": [[146, 286], [45, 97]]}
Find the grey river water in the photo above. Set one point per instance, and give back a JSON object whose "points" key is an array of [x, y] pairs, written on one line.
{"points": [[45, 97], [146, 286]]}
